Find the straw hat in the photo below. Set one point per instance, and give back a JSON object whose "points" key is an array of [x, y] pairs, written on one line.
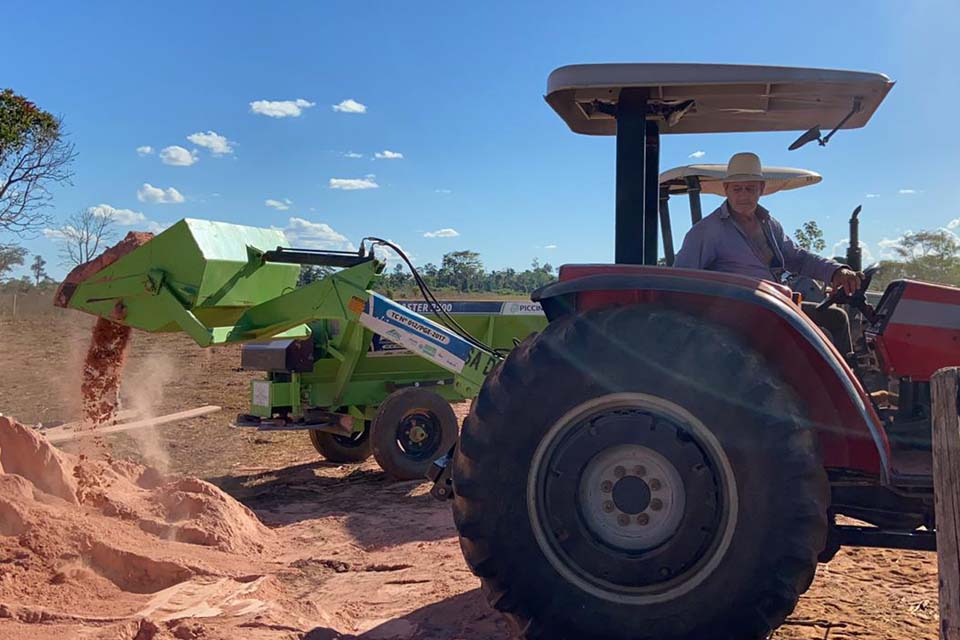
{"points": [[744, 167]]}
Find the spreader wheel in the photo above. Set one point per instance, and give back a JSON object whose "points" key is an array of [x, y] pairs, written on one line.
{"points": [[639, 473], [337, 448], [411, 429]]}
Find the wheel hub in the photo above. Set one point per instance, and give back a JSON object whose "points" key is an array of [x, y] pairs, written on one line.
{"points": [[639, 482], [629, 497], [419, 434]]}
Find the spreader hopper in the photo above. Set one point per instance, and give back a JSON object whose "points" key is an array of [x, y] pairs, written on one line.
{"points": [[197, 276]]}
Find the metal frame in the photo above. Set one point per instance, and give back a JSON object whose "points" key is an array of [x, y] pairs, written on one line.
{"points": [[693, 192], [637, 183], [852, 536]]}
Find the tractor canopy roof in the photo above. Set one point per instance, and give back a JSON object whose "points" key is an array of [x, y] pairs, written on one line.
{"points": [[715, 98], [675, 181]]}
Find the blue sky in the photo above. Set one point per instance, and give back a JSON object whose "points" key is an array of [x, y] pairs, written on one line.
{"points": [[457, 89]]}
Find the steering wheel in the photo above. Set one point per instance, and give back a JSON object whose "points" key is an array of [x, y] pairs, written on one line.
{"points": [[858, 300]]}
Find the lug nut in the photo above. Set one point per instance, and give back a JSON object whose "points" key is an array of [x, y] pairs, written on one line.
{"points": [[656, 504], [619, 471], [655, 485], [623, 519], [640, 470], [606, 486], [643, 519], [608, 506]]}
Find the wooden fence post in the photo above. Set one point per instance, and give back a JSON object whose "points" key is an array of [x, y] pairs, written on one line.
{"points": [[946, 483]]}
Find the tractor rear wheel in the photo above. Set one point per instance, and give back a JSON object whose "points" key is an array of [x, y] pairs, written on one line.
{"points": [[639, 473], [412, 428], [337, 448]]}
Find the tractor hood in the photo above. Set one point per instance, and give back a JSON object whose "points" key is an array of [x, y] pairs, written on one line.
{"points": [[716, 98]]}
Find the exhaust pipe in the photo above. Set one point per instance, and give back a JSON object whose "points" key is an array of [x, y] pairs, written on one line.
{"points": [[854, 254]]}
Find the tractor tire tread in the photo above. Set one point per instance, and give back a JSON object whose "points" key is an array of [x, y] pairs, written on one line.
{"points": [[799, 538]]}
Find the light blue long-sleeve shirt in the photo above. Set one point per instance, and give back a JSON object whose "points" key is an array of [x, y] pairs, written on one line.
{"points": [[717, 243]]}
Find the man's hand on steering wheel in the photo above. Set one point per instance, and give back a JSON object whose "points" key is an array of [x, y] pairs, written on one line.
{"points": [[850, 287], [846, 279]]}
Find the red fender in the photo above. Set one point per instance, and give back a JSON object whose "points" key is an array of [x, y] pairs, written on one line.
{"points": [[851, 435]]}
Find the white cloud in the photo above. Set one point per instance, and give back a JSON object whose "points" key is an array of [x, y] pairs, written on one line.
{"points": [[315, 235], [444, 191], [953, 224], [352, 184], [386, 154], [120, 217], [446, 232], [697, 154], [550, 246], [145, 150], [123, 217], [389, 256], [873, 195], [907, 192], [155, 195], [155, 227], [350, 106], [216, 143], [279, 205], [352, 154], [840, 249], [886, 248], [177, 156], [280, 108]]}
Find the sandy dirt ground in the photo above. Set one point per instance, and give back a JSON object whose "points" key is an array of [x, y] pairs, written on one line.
{"points": [[199, 531]]}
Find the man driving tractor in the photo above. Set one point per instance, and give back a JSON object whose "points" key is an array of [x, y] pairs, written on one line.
{"points": [[742, 237]]}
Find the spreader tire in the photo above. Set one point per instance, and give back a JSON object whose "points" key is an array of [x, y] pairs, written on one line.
{"points": [[412, 428], [336, 448], [639, 473]]}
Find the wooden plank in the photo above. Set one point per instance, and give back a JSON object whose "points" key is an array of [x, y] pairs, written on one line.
{"points": [[137, 424], [124, 414], [946, 479]]}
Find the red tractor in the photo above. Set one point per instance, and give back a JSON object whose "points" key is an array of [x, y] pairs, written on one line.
{"points": [[668, 458]]}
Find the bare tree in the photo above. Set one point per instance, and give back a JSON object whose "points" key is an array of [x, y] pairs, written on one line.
{"points": [[85, 234], [33, 157]]}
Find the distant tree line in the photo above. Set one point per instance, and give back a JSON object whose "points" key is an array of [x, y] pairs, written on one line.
{"points": [[930, 256], [459, 272]]}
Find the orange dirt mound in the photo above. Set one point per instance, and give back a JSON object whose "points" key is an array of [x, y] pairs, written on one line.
{"points": [[92, 541]]}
